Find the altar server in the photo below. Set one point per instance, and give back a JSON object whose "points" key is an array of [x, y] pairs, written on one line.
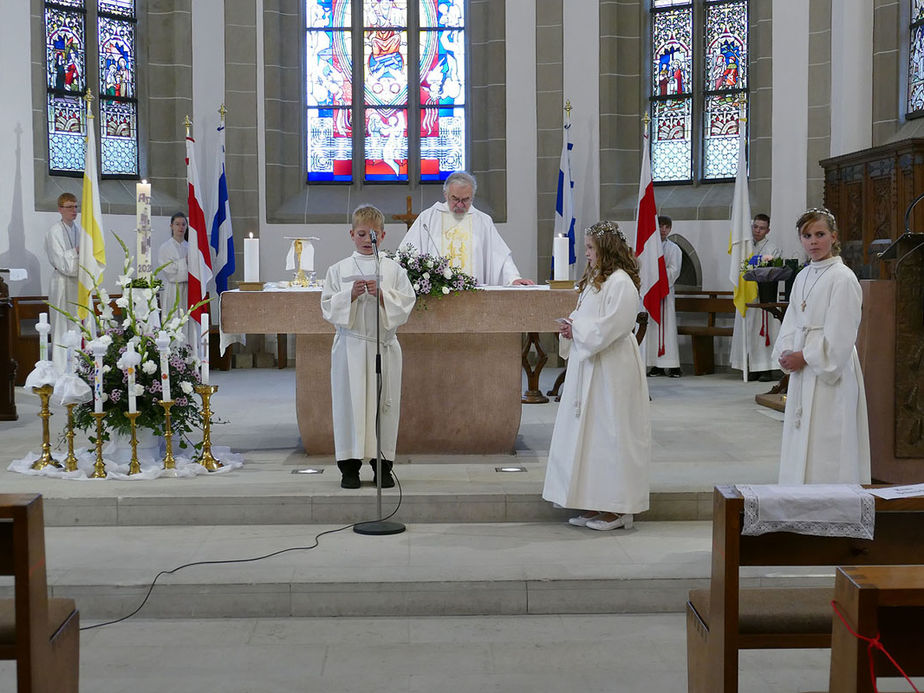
{"points": [[455, 229], [825, 429], [667, 363], [349, 301], [601, 444], [757, 326], [175, 275], [62, 245]]}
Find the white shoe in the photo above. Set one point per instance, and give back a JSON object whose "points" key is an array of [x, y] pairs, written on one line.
{"points": [[581, 520], [624, 521]]}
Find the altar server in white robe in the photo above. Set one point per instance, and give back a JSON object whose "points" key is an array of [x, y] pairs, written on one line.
{"points": [[601, 444], [825, 429], [455, 229], [62, 245], [349, 301], [757, 326], [665, 334], [175, 275]]}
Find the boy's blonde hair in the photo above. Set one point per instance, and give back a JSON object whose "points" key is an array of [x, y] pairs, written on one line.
{"points": [[370, 215]]}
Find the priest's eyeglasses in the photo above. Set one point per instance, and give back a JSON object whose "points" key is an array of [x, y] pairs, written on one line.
{"points": [[460, 200]]}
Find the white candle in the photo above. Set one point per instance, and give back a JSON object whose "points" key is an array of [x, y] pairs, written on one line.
{"points": [[71, 341], [205, 348], [43, 329], [130, 370], [143, 228], [99, 350], [560, 257], [251, 259], [163, 346]]}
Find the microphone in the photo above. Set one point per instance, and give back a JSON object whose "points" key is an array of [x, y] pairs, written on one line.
{"points": [[433, 245]]}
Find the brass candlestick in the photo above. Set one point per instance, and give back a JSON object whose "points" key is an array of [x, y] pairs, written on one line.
{"points": [[45, 460], [300, 278], [169, 460], [70, 462], [205, 458], [134, 467], [99, 467]]}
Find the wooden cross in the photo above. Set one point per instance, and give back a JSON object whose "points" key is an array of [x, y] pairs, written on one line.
{"points": [[409, 217]]}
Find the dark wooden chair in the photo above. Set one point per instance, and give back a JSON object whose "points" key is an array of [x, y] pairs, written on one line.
{"points": [[41, 634], [703, 336]]}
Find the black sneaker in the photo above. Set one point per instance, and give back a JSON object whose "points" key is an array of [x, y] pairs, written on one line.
{"points": [[350, 480], [652, 372], [388, 481], [674, 373]]}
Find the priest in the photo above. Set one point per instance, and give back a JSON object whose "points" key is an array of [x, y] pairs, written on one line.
{"points": [[757, 326], [455, 229]]}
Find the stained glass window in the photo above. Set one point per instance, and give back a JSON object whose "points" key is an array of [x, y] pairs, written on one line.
{"points": [[118, 103], [66, 81], [916, 59], [708, 103], [430, 118]]}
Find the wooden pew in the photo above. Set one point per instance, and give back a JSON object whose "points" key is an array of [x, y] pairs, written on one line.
{"points": [[725, 618], [710, 303], [41, 634]]}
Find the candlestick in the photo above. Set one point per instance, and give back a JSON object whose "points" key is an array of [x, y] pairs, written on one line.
{"points": [[43, 329], [169, 459], [251, 259], [45, 460], [99, 467], [204, 345], [163, 346], [70, 462], [99, 350], [206, 459], [134, 467], [560, 257]]}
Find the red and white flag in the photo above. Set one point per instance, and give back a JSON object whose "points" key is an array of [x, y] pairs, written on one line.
{"points": [[652, 270], [198, 258]]}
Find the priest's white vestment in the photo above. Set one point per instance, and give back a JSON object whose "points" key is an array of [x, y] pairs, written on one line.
{"points": [[825, 428], [601, 445], [352, 356], [61, 245], [484, 255], [758, 327], [673, 258], [176, 284]]}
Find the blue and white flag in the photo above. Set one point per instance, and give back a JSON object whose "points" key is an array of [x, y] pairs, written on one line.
{"points": [[221, 238], [564, 201]]}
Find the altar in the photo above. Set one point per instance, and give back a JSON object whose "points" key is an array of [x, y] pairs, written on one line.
{"points": [[461, 385]]}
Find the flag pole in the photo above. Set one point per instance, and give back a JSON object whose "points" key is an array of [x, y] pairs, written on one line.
{"points": [[742, 129]]}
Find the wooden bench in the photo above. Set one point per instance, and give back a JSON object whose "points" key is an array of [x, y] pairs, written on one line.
{"points": [[41, 634], [710, 303], [725, 618]]}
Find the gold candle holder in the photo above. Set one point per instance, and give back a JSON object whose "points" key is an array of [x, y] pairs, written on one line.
{"points": [[70, 462], [169, 460], [134, 467], [99, 467], [45, 459], [300, 278], [205, 458]]}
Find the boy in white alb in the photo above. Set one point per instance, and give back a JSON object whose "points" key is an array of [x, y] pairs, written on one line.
{"points": [[349, 301]]}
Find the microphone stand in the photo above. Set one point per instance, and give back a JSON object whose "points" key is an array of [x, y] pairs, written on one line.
{"points": [[379, 526]]}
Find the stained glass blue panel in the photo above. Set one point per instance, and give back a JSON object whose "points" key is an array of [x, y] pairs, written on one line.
{"points": [[119, 138], [442, 142], [670, 3], [77, 4], [672, 56], [116, 58], [916, 70], [917, 10], [65, 51], [385, 13], [720, 143], [726, 60], [119, 8], [329, 14], [671, 143], [386, 144], [442, 67], [329, 68], [385, 67], [442, 13], [66, 132], [330, 145]]}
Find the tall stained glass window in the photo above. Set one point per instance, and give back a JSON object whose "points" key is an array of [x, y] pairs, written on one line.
{"points": [[916, 59], [65, 84], [698, 87], [422, 43], [118, 103]]}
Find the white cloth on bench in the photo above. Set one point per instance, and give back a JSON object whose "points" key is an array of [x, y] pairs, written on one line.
{"points": [[825, 510]]}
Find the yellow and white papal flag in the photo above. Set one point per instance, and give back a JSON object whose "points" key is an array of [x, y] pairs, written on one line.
{"points": [[92, 245]]}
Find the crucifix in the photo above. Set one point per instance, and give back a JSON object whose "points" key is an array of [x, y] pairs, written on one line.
{"points": [[408, 217]]}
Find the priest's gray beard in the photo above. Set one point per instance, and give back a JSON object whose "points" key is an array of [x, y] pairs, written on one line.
{"points": [[458, 217]]}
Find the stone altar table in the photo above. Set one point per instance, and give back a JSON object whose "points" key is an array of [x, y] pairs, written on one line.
{"points": [[461, 385]]}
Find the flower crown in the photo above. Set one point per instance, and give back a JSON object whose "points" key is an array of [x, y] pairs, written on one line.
{"points": [[817, 210], [601, 228]]}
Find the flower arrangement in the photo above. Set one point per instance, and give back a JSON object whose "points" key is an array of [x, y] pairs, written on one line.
{"points": [[432, 275], [138, 324], [756, 261]]}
